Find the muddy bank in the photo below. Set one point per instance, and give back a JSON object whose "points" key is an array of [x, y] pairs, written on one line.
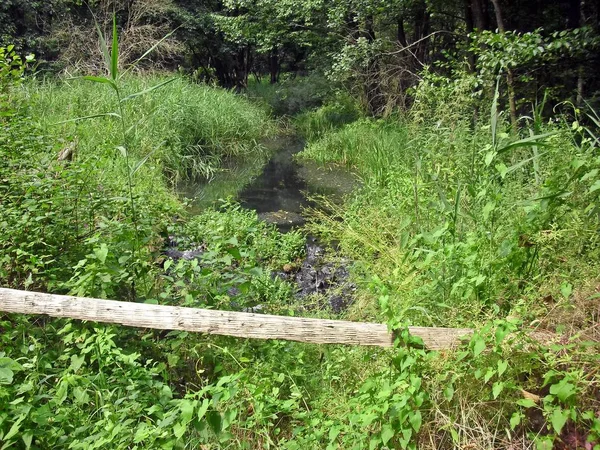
{"points": [[322, 273]]}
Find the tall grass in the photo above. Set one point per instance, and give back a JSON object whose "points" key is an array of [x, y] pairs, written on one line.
{"points": [[454, 219], [187, 128]]}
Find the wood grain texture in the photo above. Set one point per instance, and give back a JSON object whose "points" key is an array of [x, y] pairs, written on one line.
{"points": [[227, 323]]}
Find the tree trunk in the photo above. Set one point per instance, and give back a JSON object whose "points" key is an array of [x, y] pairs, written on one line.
{"points": [[469, 26], [401, 36], [372, 86], [421, 30], [480, 21], [274, 65], [471, 55], [510, 76], [580, 70]]}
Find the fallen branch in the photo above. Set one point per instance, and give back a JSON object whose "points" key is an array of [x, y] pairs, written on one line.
{"points": [[227, 323]]}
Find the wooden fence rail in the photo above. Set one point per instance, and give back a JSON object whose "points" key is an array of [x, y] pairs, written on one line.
{"points": [[227, 323]]}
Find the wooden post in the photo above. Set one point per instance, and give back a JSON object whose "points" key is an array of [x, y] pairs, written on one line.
{"points": [[227, 323]]}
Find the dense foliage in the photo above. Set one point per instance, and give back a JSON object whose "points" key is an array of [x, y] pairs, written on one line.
{"points": [[473, 130]]}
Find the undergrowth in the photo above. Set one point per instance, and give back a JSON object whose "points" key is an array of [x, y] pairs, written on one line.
{"points": [[471, 227], [453, 226]]}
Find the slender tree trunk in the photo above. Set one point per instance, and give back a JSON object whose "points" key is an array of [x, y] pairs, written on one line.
{"points": [[580, 70], [471, 55], [421, 30], [274, 65], [372, 87], [480, 21], [401, 36], [510, 76]]}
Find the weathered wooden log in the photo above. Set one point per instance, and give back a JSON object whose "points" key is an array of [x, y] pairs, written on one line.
{"points": [[227, 323]]}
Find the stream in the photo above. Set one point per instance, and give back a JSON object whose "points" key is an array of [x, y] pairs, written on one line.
{"points": [[279, 188]]}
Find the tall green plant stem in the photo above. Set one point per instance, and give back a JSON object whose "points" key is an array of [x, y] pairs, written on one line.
{"points": [[129, 175]]}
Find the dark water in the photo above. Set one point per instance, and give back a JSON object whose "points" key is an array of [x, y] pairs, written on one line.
{"points": [[278, 188]]}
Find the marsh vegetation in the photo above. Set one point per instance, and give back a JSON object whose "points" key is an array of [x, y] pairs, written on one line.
{"points": [[438, 169]]}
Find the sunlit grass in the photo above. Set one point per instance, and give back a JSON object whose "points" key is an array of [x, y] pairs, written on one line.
{"points": [[187, 127]]}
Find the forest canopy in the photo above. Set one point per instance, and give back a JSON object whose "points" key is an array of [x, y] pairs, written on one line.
{"points": [[377, 49]]}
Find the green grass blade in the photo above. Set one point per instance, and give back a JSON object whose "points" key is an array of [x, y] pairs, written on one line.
{"points": [[100, 80], [114, 56], [103, 46], [93, 116], [142, 161], [527, 141], [150, 89], [494, 113], [522, 163]]}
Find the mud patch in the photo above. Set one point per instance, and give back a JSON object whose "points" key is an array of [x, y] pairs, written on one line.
{"points": [[322, 274]]}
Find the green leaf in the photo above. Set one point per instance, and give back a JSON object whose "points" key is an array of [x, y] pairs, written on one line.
{"points": [[515, 420], [8, 367], [563, 389], [214, 420], [103, 80], [141, 162], [558, 419], [333, 433], [502, 366], [93, 116], [449, 392], [478, 345], [146, 91], [203, 408], [507, 170], [14, 429], [544, 442], [502, 169], [387, 432], [228, 417], [6, 375], [494, 114], [527, 141], [489, 374], [76, 362], [27, 438], [101, 253], [415, 420], [497, 388], [103, 46], [526, 403], [595, 186], [187, 410], [114, 56], [179, 430], [566, 289], [141, 433], [500, 334]]}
